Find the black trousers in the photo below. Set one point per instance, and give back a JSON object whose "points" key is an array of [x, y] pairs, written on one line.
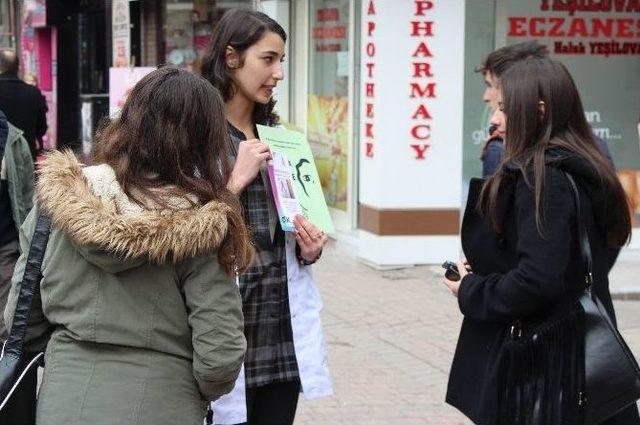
{"points": [[21, 407], [273, 404]]}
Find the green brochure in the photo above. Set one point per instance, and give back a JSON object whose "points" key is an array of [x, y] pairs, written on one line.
{"points": [[306, 185]]}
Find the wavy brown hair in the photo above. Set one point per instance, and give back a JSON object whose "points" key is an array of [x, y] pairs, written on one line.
{"points": [[530, 134], [171, 135], [238, 28]]}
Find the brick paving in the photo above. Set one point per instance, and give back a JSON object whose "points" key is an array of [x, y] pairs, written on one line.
{"points": [[391, 337]]}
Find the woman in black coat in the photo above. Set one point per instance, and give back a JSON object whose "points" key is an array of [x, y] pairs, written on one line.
{"points": [[519, 236]]}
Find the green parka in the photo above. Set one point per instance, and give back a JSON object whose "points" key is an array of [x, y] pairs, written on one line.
{"points": [[19, 168], [144, 325]]}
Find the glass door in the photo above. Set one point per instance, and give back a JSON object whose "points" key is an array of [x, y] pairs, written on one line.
{"points": [[329, 101]]}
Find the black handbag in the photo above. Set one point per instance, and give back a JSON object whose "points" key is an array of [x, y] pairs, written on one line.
{"points": [[570, 367], [17, 367]]}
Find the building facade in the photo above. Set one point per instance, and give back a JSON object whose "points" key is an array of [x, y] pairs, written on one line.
{"points": [[384, 89], [410, 139]]}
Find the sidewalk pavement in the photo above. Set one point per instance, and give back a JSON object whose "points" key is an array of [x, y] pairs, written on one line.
{"points": [[624, 278], [391, 336]]}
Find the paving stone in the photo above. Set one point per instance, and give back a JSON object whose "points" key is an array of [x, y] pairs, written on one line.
{"points": [[391, 336]]}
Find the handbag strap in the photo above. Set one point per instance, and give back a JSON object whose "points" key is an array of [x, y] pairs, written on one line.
{"points": [[4, 135], [29, 288], [583, 235]]}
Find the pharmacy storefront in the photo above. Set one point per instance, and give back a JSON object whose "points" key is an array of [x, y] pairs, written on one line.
{"points": [[387, 94]]}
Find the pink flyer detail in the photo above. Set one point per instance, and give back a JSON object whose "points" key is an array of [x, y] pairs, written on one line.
{"points": [[284, 196]]}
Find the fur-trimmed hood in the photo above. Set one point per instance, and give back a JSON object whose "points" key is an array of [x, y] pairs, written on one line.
{"points": [[90, 207]]}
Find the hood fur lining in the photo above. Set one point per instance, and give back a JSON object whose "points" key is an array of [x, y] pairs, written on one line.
{"points": [[64, 194]]}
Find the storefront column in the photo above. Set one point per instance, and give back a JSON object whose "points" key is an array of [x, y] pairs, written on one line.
{"points": [[410, 147]]}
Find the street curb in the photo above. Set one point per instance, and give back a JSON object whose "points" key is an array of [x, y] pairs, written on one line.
{"points": [[626, 296]]}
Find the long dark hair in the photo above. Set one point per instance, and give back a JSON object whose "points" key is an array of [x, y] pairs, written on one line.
{"points": [[498, 61], [171, 135], [239, 28], [529, 135]]}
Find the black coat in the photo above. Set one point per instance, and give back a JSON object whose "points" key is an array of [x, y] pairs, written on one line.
{"points": [[517, 274], [25, 108]]}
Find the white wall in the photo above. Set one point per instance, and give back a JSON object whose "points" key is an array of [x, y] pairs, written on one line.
{"points": [[393, 178], [279, 10]]}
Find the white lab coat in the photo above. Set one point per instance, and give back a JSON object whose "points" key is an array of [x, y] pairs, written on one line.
{"points": [[305, 306]]}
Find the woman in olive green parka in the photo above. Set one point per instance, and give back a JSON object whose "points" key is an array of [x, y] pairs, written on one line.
{"points": [[139, 304]]}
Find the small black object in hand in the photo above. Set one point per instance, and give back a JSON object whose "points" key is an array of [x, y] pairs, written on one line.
{"points": [[451, 271]]}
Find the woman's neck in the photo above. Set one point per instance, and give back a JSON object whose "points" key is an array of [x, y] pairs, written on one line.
{"points": [[239, 112]]}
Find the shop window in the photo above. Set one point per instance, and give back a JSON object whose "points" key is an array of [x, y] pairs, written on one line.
{"points": [[188, 26], [7, 27], [595, 42], [328, 98]]}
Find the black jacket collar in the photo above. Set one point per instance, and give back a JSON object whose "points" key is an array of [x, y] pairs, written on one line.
{"points": [[4, 133], [9, 77]]}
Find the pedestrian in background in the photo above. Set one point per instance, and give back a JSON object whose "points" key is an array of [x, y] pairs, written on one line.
{"points": [[492, 68], [139, 304], [520, 237], [281, 304], [22, 103], [16, 193], [496, 63]]}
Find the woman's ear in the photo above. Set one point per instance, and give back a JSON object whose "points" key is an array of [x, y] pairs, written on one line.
{"points": [[542, 109], [231, 58]]}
